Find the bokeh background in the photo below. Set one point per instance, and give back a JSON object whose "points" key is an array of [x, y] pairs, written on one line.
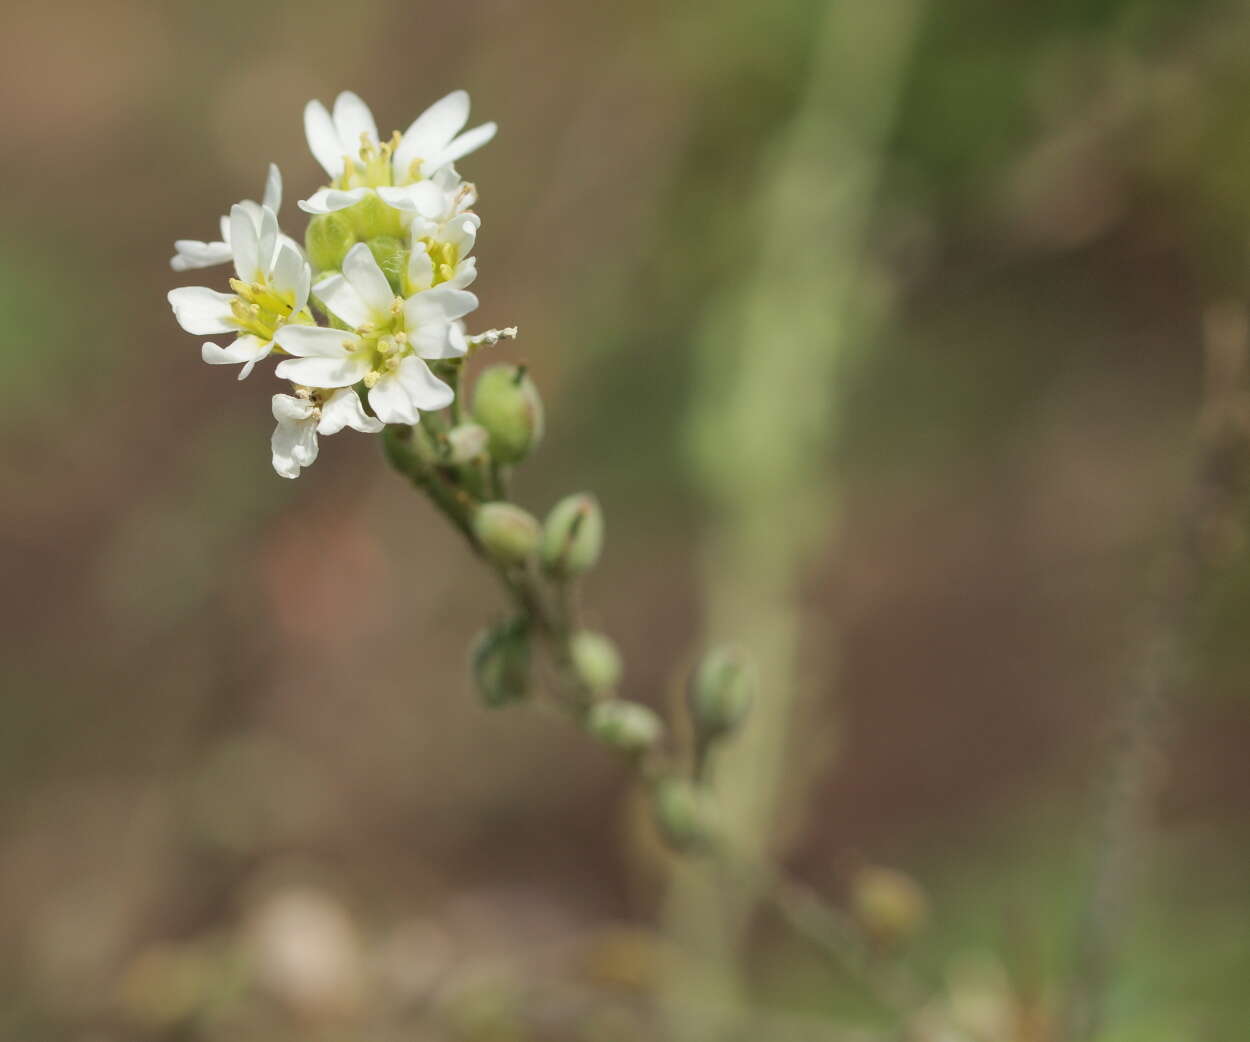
{"points": [[878, 329]]}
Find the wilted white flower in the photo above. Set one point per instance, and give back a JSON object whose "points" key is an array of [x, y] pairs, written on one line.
{"points": [[301, 418], [389, 337], [346, 144], [191, 253], [271, 290]]}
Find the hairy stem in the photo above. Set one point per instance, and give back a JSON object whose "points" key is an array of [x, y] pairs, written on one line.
{"points": [[1208, 533]]}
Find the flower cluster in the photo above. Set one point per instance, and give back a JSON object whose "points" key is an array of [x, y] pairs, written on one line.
{"points": [[367, 316]]}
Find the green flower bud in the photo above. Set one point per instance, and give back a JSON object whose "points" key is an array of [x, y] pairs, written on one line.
{"points": [[328, 238], [500, 659], [629, 726], [721, 692], [596, 660], [392, 257], [372, 219], [888, 905], [681, 815], [508, 533], [506, 403], [573, 535]]}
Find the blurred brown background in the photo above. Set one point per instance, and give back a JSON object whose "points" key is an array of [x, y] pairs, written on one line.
{"points": [[246, 790]]}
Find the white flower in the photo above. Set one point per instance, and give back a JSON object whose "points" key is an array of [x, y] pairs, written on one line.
{"points": [[191, 253], [440, 255], [301, 419], [271, 289], [390, 336], [347, 146]]}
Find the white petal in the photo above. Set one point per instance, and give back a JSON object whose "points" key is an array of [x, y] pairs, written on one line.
{"points": [[456, 339], [433, 340], [273, 189], [462, 232], [323, 139], [420, 267], [202, 311], [266, 238], [316, 341], [304, 285], [191, 253], [352, 118], [432, 130], [290, 274], [360, 268], [390, 402], [341, 299], [400, 395], [330, 200], [246, 351], [466, 272], [323, 372], [425, 389], [469, 141], [294, 441], [343, 409], [244, 242], [287, 408], [423, 197], [438, 304]]}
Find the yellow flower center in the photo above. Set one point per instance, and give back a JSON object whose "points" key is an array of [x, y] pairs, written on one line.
{"points": [[261, 310]]}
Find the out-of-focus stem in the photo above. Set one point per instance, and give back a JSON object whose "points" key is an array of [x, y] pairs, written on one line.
{"points": [[1209, 530], [762, 420]]}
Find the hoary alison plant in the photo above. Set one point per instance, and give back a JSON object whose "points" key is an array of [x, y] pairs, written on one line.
{"points": [[367, 323]]}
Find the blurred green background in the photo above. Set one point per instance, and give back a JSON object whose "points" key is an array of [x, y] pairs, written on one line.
{"points": [[877, 328]]}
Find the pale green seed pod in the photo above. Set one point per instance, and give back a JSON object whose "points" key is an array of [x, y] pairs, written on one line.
{"points": [[681, 815], [392, 257], [506, 532], [596, 660], [507, 404], [500, 661], [888, 905], [721, 692], [628, 726], [327, 240], [573, 536]]}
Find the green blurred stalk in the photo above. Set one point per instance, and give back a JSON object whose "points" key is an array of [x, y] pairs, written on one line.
{"points": [[762, 425]]}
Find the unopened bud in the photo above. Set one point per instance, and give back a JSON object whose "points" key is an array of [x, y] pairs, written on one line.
{"points": [[573, 535], [721, 692], [596, 660], [681, 815], [466, 442], [508, 533], [506, 403], [328, 238], [392, 257], [888, 905], [629, 726], [372, 218], [500, 659]]}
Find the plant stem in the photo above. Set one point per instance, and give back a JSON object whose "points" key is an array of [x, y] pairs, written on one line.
{"points": [[1208, 532]]}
